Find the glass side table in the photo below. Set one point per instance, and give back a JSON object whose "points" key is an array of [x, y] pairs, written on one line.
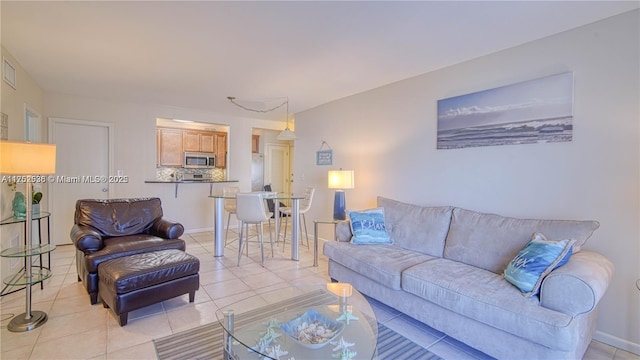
{"points": [[28, 276], [315, 235], [42, 215]]}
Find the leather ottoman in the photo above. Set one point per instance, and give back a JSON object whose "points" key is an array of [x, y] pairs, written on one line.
{"points": [[132, 282]]}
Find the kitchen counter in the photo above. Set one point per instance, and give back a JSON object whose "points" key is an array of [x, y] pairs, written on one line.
{"points": [[187, 181], [178, 182]]}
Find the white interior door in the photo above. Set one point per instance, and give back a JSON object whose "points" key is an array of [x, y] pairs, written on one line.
{"points": [[277, 167], [83, 160]]}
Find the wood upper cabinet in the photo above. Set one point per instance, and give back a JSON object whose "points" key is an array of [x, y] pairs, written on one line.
{"points": [[172, 143], [221, 149], [190, 140], [170, 147], [207, 142], [255, 144]]}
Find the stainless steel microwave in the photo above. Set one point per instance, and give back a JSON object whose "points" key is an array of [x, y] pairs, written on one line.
{"points": [[199, 160]]}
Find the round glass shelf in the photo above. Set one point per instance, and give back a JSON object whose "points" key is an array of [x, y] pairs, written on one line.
{"points": [[38, 274], [21, 251]]}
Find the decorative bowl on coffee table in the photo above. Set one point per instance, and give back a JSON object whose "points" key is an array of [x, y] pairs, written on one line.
{"points": [[312, 329]]}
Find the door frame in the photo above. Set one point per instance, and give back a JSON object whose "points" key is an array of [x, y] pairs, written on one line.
{"points": [[288, 187], [52, 121], [28, 112]]}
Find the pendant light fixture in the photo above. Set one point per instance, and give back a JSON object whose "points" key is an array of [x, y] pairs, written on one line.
{"points": [[285, 134]]}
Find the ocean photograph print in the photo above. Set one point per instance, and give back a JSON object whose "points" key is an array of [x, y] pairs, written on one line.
{"points": [[534, 111]]}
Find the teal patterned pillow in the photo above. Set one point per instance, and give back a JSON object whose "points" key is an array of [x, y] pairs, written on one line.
{"points": [[368, 227], [538, 258]]}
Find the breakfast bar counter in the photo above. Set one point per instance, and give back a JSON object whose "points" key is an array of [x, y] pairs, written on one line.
{"points": [[198, 181]]}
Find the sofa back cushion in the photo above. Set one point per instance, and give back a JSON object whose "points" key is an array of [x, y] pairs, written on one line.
{"points": [[490, 241], [417, 228], [118, 217]]}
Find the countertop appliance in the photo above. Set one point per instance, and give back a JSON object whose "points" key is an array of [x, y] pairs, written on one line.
{"points": [[199, 160], [196, 177]]}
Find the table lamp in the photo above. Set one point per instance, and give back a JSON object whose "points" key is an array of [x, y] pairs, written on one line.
{"points": [[340, 180], [27, 159]]}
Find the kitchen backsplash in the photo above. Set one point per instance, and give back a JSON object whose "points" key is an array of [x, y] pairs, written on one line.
{"points": [[173, 174]]}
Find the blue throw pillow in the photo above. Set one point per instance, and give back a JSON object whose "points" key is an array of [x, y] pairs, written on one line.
{"points": [[537, 259], [368, 227]]}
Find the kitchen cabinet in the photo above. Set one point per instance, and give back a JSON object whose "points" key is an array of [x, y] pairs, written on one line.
{"points": [[207, 142], [221, 149], [255, 144], [190, 140], [170, 147], [199, 141], [173, 142]]}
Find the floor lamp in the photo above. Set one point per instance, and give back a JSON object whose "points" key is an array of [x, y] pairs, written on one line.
{"points": [[340, 180], [27, 160]]}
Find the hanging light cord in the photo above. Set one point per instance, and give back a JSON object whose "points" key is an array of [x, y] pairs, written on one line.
{"points": [[233, 101]]}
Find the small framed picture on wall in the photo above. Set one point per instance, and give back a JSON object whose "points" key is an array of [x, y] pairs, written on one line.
{"points": [[324, 157], [4, 126], [8, 73]]}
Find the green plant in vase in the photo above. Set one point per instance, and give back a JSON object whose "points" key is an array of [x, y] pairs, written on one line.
{"points": [[36, 196]]}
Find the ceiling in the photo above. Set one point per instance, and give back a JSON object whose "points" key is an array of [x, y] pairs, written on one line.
{"points": [[195, 54]]}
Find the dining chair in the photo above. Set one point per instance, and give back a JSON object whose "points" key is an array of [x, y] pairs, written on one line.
{"points": [[229, 206], [272, 205], [250, 209], [305, 205]]}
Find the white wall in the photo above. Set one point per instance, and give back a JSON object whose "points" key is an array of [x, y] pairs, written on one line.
{"points": [[388, 136], [135, 151], [13, 102]]}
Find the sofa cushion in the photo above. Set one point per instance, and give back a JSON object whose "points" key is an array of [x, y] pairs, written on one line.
{"points": [[490, 241], [417, 228], [381, 263], [535, 261], [343, 231], [368, 227], [486, 297], [118, 217]]}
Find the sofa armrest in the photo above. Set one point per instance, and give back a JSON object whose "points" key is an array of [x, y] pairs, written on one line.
{"points": [[166, 229], [86, 238], [343, 231], [577, 287]]}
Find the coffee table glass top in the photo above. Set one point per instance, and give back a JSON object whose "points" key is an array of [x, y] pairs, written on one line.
{"points": [[323, 321]]}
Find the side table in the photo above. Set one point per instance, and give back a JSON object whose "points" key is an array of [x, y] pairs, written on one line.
{"points": [[39, 216], [315, 235], [27, 277]]}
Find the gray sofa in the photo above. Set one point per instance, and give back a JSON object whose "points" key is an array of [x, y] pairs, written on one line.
{"points": [[445, 268]]}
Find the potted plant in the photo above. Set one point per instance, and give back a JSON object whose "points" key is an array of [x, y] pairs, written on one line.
{"points": [[36, 196]]}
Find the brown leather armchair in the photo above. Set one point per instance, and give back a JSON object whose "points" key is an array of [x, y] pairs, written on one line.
{"points": [[113, 228]]}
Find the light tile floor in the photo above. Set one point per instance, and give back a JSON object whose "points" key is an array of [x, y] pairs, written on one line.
{"points": [[78, 330]]}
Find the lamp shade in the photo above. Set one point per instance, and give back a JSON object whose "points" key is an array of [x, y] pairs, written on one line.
{"points": [[23, 158], [341, 179], [286, 134]]}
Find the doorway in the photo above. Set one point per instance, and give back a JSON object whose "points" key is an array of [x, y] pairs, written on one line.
{"points": [[278, 168], [271, 161], [33, 125], [84, 152]]}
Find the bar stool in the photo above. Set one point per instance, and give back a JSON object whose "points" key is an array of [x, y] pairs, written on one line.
{"points": [[229, 206], [250, 209], [305, 205]]}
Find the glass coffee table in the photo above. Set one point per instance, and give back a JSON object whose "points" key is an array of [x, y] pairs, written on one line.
{"points": [[323, 321]]}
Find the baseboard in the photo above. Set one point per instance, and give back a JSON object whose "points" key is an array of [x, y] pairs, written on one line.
{"points": [[617, 342], [193, 231]]}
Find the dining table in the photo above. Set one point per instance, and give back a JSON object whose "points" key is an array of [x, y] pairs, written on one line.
{"points": [[218, 235]]}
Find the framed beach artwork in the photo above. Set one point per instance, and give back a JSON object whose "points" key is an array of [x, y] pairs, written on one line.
{"points": [[324, 156], [534, 111]]}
